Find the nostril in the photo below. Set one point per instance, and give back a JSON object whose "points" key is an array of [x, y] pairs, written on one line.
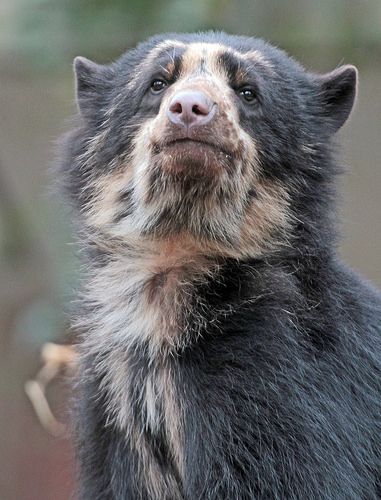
{"points": [[176, 107], [199, 110]]}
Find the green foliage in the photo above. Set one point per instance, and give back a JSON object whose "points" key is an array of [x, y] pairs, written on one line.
{"points": [[51, 32]]}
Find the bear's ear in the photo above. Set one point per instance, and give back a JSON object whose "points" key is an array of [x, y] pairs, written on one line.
{"points": [[91, 81], [337, 91], [337, 94]]}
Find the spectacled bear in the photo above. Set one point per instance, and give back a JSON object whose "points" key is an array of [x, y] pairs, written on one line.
{"points": [[226, 351]]}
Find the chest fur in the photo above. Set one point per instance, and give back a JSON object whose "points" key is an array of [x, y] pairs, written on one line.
{"points": [[138, 314], [144, 297]]}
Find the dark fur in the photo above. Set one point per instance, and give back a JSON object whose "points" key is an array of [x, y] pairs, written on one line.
{"points": [[279, 381]]}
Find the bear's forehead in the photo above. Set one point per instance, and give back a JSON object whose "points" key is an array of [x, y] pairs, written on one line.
{"points": [[189, 58], [204, 54]]}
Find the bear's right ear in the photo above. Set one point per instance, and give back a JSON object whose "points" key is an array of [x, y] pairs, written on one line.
{"points": [[91, 79]]}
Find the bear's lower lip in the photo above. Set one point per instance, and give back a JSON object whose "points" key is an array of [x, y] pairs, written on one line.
{"points": [[192, 158], [194, 143], [194, 147]]}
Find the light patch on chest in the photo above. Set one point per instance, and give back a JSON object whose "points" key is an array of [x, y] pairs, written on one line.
{"points": [[161, 415], [138, 300], [144, 296]]}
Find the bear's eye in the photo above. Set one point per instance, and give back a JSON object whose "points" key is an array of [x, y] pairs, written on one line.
{"points": [[247, 94], [158, 85]]}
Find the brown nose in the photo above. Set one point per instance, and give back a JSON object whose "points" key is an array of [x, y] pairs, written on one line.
{"points": [[190, 109]]}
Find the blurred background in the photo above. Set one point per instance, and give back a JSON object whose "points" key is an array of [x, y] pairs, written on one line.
{"points": [[38, 267]]}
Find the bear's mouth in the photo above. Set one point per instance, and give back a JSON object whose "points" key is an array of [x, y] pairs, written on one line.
{"points": [[190, 144], [192, 157]]}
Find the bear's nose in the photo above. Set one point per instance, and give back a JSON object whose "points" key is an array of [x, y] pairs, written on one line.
{"points": [[190, 109]]}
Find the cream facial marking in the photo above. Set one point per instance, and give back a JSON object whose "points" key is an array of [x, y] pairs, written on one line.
{"points": [[209, 52], [165, 46], [200, 70], [194, 53]]}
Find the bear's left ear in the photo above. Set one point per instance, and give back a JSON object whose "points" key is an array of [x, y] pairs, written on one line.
{"points": [[337, 92]]}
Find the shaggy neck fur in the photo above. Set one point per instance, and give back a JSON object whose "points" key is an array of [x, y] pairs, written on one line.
{"points": [[143, 309]]}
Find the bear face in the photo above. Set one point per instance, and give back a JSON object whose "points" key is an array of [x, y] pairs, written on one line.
{"points": [[214, 139]]}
